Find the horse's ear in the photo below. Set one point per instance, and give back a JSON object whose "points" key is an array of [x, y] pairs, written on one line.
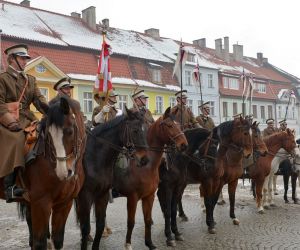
{"points": [[64, 105], [167, 113], [289, 132], [257, 124], [254, 124]]}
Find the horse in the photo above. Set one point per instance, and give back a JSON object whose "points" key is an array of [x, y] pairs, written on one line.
{"points": [[260, 171], [140, 183], [125, 134], [55, 177], [200, 163], [290, 168]]}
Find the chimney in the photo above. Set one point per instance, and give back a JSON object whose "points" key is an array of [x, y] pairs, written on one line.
{"points": [[75, 14], [153, 32], [105, 23], [238, 52], [265, 60], [89, 17], [218, 47], [25, 3], [260, 57], [226, 49], [200, 42]]}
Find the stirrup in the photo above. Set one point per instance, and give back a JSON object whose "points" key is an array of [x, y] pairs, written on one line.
{"points": [[10, 196]]}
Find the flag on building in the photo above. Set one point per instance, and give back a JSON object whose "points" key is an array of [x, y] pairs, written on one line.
{"points": [[292, 94], [103, 82], [196, 75], [181, 59]]}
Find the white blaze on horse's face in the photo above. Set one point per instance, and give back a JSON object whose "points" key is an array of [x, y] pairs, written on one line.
{"points": [[57, 138]]}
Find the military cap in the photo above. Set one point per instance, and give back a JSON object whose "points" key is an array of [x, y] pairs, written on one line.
{"points": [[181, 93], [18, 50], [63, 83], [112, 94], [270, 120], [237, 115], [282, 122], [203, 105], [139, 94]]}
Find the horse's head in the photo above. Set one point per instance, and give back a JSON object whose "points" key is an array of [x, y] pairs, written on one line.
{"points": [[62, 142], [288, 141], [236, 134], [170, 131], [259, 145], [134, 136]]}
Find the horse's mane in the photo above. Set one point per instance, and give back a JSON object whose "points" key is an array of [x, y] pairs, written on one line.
{"points": [[195, 137], [224, 129], [54, 116], [269, 140], [108, 125]]}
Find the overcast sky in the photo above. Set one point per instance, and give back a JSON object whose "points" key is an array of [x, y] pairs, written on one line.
{"points": [[267, 26]]}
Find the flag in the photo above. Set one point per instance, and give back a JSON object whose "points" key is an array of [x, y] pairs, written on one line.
{"points": [[181, 59], [244, 81], [103, 82], [292, 94], [196, 75]]}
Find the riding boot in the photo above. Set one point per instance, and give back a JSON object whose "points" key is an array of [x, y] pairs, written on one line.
{"points": [[11, 190]]}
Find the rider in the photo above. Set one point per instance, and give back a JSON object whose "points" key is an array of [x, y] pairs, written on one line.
{"points": [[188, 118], [12, 83], [270, 128], [64, 89], [282, 125], [104, 113], [204, 119], [140, 101]]}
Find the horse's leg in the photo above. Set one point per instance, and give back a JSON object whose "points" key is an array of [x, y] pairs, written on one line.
{"points": [[231, 192], [221, 200], [176, 195], [147, 204], [131, 210], [181, 212], [265, 192], [164, 195], [259, 183], [270, 193], [28, 220], [274, 185], [100, 213], [202, 200], [294, 181], [208, 201], [253, 188], [286, 178], [40, 214], [83, 204], [59, 218]]}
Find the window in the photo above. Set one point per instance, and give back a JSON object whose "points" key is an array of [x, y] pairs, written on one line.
{"points": [[172, 101], [122, 102], [190, 104], [87, 102], [234, 108], [279, 114], [254, 110], [210, 83], [44, 92], [233, 83], [225, 82], [190, 57], [159, 104], [188, 78], [40, 68], [270, 111], [261, 88], [262, 112], [225, 109], [212, 108], [156, 75]]}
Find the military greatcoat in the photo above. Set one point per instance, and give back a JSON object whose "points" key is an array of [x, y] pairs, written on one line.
{"points": [[110, 115], [269, 131], [12, 143], [188, 119], [205, 122]]}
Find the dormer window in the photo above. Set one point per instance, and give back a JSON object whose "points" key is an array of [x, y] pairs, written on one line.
{"points": [[190, 57], [156, 75], [261, 88]]}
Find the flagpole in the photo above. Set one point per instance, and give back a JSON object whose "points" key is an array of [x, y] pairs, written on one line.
{"points": [[181, 59], [244, 83], [287, 107], [199, 82], [0, 50]]}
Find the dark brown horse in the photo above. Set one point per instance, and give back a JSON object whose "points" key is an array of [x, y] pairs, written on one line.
{"points": [[140, 183], [54, 179], [262, 168], [202, 162], [124, 134]]}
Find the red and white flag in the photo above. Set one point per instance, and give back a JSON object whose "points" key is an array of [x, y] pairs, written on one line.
{"points": [[292, 94], [196, 75], [181, 59], [103, 82]]}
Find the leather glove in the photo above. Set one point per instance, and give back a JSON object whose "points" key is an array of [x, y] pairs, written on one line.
{"points": [[105, 109], [14, 127]]}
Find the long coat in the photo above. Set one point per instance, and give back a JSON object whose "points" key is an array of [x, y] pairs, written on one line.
{"points": [[110, 115], [269, 131], [205, 121], [188, 119], [12, 143]]}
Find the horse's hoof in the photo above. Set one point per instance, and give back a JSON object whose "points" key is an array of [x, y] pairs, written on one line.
{"points": [[184, 218], [273, 205], [266, 206], [287, 201], [105, 233], [236, 221], [179, 237], [204, 210], [212, 230], [222, 202], [171, 243], [127, 246], [50, 244], [261, 211], [276, 193], [108, 229]]}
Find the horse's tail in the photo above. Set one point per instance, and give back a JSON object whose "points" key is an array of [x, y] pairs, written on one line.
{"points": [[22, 209], [75, 211]]}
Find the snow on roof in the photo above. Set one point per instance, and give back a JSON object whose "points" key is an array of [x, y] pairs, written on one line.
{"points": [[154, 65], [126, 81]]}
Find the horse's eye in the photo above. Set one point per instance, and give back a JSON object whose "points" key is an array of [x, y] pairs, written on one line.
{"points": [[246, 133], [68, 131]]}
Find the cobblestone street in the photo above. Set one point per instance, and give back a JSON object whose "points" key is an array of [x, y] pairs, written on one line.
{"points": [[278, 228]]}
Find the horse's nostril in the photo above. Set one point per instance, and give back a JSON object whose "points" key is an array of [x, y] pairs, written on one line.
{"points": [[70, 172]]}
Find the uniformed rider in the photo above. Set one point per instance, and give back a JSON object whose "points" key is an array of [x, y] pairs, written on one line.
{"points": [[204, 119], [270, 128], [12, 83]]}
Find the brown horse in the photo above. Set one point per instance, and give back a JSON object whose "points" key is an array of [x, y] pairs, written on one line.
{"points": [[140, 183], [56, 176], [262, 168], [233, 167]]}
